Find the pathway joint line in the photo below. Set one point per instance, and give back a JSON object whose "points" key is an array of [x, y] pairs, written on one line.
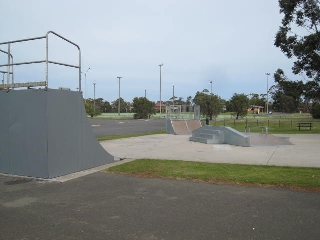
{"points": [[272, 155]]}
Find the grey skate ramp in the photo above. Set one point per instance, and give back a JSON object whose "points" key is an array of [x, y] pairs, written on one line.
{"points": [[193, 124], [257, 139], [46, 133], [184, 127], [180, 127]]}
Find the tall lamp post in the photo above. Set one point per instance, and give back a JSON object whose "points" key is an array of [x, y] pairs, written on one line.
{"points": [[145, 93], [211, 86], [85, 84], [173, 97], [160, 65], [119, 97], [267, 92], [94, 98]]}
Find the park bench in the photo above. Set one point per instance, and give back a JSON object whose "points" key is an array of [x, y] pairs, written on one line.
{"points": [[304, 125], [264, 129]]}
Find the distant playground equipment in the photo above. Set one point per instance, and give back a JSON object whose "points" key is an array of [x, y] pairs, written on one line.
{"points": [[182, 119], [45, 132]]}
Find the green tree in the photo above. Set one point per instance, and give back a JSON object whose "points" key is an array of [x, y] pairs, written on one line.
{"points": [[123, 105], [143, 108], [315, 111], [88, 107], [239, 104], [189, 99], [255, 100], [105, 107], [299, 35], [286, 94], [210, 104]]}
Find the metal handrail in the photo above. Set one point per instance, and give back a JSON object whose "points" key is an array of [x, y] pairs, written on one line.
{"points": [[8, 72], [41, 61]]}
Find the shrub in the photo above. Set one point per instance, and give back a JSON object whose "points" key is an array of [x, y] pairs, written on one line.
{"points": [[315, 111]]}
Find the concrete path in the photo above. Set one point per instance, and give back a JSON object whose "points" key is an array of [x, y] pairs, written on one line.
{"points": [[305, 151]]}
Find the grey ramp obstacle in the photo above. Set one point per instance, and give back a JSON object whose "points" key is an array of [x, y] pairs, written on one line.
{"points": [[220, 135], [46, 134], [257, 139], [228, 135]]}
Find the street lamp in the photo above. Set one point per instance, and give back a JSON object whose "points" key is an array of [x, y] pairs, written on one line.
{"points": [[94, 98], [267, 93], [160, 65], [119, 97], [85, 84], [173, 97], [211, 86], [145, 93]]}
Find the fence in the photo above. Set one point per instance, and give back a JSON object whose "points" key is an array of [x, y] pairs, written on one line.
{"points": [[276, 124]]}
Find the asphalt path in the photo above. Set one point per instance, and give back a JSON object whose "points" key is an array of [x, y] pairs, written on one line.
{"points": [[107, 127], [109, 206]]}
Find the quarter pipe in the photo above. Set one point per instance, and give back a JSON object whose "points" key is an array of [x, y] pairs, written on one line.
{"points": [[45, 133], [182, 127]]}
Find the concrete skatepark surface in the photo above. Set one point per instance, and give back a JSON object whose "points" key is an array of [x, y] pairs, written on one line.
{"points": [[304, 151]]}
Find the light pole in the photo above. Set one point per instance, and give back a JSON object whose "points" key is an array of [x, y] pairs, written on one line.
{"points": [[94, 98], [145, 93], [85, 84], [160, 65], [119, 97], [267, 92], [211, 86], [173, 97]]}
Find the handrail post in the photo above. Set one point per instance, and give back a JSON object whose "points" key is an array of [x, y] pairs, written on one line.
{"points": [[8, 67], [80, 70], [47, 53], [67, 40]]}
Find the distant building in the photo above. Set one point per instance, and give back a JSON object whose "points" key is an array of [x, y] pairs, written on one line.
{"points": [[163, 106], [255, 109]]}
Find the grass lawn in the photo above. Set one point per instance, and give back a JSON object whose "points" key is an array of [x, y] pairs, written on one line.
{"points": [[270, 176]]}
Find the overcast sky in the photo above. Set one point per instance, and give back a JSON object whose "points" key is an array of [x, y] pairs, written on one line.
{"points": [[227, 42]]}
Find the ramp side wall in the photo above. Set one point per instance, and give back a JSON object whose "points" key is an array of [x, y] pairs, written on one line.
{"points": [[64, 132], [71, 142], [23, 133], [46, 134], [169, 126]]}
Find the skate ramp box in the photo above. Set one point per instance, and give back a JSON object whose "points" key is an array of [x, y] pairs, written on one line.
{"points": [[46, 134]]}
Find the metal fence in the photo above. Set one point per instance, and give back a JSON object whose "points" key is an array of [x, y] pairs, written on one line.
{"points": [[183, 112]]}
